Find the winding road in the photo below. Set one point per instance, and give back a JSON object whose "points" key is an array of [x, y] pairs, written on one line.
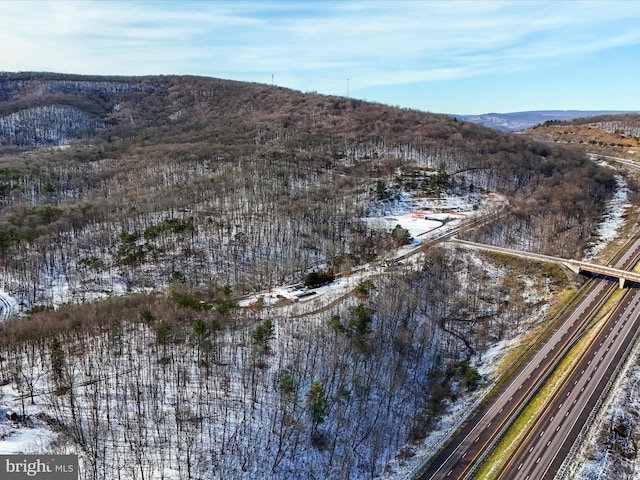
{"points": [[7, 306]]}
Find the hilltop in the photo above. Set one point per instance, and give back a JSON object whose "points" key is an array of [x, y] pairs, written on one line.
{"points": [[261, 182], [613, 135], [135, 212]]}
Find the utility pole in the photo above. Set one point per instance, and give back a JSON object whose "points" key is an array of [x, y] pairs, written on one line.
{"points": [[347, 87]]}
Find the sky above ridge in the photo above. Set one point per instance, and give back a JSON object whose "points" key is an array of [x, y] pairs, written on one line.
{"points": [[458, 57]]}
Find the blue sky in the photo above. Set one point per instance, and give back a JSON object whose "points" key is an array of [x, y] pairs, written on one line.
{"points": [[434, 55]]}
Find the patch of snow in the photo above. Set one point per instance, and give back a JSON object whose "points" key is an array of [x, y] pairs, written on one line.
{"points": [[457, 413], [8, 305], [597, 457], [27, 434], [405, 202], [613, 218], [417, 225], [20, 439]]}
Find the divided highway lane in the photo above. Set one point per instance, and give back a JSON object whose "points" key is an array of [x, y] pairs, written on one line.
{"points": [[465, 450], [461, 454], [550, 439]]}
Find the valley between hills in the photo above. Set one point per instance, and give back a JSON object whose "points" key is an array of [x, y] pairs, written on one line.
{"points": [[155, 230]]}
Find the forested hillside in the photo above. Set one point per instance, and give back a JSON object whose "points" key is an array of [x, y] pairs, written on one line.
{"points": [[614, 135], [188, 192], [247, 185]]}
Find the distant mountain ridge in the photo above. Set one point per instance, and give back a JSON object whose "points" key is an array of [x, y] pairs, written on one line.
{"points": [[510, 122], [167, 198]]}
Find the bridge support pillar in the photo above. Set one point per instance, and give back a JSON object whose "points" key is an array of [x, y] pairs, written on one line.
{"points": [[622, 282], [573, 267]]}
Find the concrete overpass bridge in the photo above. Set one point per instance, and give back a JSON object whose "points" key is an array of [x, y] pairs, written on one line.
{"points": [[576, 266]]}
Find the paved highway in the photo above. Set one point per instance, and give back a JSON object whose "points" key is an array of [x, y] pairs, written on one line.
{"points": [[548, 441], [465, 451]]}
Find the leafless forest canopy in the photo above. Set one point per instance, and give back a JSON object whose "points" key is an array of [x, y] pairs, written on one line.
{"points": [[198, 190]]}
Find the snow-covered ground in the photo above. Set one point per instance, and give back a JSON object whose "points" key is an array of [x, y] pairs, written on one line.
{"points": [[8, 305], [593, 461], [605, 453], [444, 213], [16, 438], [422, 217], [610, 449], [613, 218], [406, 469]]}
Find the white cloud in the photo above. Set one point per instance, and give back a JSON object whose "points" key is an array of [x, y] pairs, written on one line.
{"points": [[311, 45]]}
